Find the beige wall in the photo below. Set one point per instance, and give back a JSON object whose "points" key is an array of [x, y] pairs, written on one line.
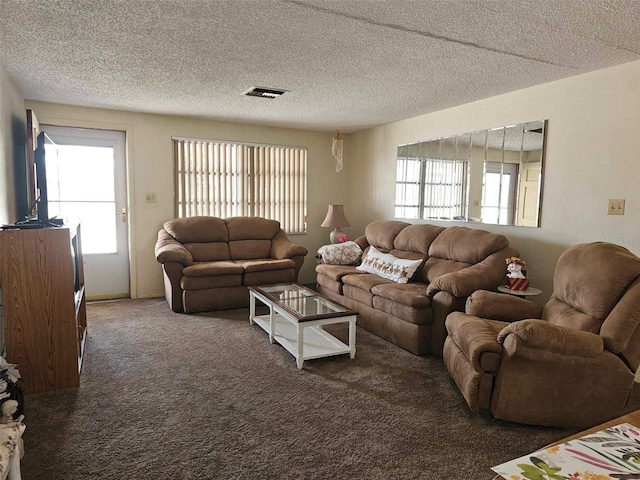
{"points": [[593, 154], [150, 169], [13, 130]]}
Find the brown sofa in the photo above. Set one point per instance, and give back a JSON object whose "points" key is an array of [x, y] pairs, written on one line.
{"points": [[209, 262], [456, 261], [569, 364]]}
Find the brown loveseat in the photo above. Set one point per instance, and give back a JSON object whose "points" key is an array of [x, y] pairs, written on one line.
{"points": [[209, 262], [569, 364], [456, 261]]}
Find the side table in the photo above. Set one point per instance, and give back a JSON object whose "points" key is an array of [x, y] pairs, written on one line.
{"points": [[529, 292]]}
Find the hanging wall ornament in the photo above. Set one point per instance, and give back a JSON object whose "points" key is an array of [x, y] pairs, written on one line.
{"points": [[336, 150]]}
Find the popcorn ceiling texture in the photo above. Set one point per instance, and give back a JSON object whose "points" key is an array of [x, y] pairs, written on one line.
{"points": [[347, 64]]}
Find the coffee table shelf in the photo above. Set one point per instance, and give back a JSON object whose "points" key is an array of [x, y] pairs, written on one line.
{"points": [[317, 342], [296, 318]]}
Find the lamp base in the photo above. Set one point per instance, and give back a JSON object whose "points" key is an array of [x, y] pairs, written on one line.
{"points": [[333, 236]]}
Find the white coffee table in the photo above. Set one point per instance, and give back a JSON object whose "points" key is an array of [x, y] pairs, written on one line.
{"points": [[296, 318]]}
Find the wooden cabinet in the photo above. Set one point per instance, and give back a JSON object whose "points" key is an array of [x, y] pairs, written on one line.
{"points": [[45, 318]]}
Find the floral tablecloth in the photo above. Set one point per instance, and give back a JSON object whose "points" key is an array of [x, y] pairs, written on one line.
{"points": [[10, 435]]}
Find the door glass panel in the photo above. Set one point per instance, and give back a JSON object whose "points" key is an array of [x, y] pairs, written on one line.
{"points": [[80, 184]]}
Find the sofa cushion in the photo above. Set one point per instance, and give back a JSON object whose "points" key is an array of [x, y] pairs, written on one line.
{"points": [[329, 284], [335, 272], [265, 264], [466, 245], [252, 228], [271, 276], [210, 281], [412, 295], [358, 294], [417, 238], [382, 233], [203, 269], [365, 281], [436, 267], [208, 252], [563, 315], [417, 316], [197, 229], [249, 249], [388, 266]]}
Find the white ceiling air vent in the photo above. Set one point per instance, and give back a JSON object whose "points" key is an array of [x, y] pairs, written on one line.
{"points": [[264, 92]]}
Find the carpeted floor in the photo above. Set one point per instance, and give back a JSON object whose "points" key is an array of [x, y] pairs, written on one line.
{"points": [[172, 396]]}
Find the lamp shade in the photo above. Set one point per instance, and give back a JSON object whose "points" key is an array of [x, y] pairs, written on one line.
{"points": [[335, 217]]}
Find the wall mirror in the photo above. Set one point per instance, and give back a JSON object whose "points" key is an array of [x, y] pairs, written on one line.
{"points": [[492, 176]]}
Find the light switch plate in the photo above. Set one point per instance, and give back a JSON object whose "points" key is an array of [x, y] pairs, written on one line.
{"points": [[616, 207], [150, 197]]}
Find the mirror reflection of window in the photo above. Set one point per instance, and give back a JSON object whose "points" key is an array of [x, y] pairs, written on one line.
{"points": [[499, 193], [494, 176]]}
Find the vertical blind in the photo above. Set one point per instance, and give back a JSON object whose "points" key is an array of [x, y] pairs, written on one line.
{"points": [[225, 179]]}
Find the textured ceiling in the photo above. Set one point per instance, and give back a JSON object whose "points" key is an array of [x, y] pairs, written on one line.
{"points": [[347, 64]]}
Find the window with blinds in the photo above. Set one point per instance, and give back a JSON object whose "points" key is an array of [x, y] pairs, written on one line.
{"points": [[427, 187], [227, 179]]}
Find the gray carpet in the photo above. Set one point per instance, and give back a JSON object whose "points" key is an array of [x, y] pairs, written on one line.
{"points": [[172, 396]]}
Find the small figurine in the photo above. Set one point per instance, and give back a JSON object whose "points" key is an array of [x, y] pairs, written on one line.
{"points": [[8, 409], [514, 267], [517, 278]]}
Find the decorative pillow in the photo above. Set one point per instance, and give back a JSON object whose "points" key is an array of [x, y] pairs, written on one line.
{"points": [[388, 266], [347, 253]]}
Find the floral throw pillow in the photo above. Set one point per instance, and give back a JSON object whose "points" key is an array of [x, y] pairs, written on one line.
{"points": [[347, 253], [388, 266]]}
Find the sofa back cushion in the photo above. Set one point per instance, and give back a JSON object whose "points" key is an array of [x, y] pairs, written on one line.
{"points": [[435, 267], [382, 233], [456, 248], [205, 237], [197, 229], [250, 237], [466, 245], [208, 252], [417, 238]]}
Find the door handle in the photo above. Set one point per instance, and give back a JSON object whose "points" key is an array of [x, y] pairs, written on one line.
{"points": [[123, 213]]}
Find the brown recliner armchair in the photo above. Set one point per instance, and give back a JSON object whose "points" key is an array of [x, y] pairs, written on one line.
{"points": [[571, 363]]}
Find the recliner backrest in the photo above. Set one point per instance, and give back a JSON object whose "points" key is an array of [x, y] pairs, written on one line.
{"points": [[596, 288]]}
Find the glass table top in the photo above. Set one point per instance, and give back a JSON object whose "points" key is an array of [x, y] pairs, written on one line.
{"points": [[303, 302]]}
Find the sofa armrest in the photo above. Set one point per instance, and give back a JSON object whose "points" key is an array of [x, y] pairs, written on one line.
{"points": [[282, 247], [500, 306], [362, 242], [168, 249], [544, 336], [485, 275]]}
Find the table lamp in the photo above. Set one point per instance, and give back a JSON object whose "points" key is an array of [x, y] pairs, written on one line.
{"points": [[335, 219]]}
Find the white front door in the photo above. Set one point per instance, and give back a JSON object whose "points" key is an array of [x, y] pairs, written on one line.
{"points": [[86, 180]]}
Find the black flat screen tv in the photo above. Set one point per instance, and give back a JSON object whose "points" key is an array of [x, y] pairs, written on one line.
{"points": [[42, 200]]}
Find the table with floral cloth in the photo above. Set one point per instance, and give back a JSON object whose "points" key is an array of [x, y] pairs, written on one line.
{"points": [[10, 448]]}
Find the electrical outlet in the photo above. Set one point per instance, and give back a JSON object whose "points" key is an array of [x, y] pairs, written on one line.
{"points": [[150, 197], [616, 207]]}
